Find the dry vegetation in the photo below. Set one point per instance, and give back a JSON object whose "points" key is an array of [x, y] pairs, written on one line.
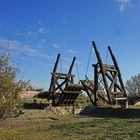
{"points": [[44, 125]]}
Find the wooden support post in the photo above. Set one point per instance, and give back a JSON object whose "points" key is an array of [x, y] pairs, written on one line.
{"points": [[71, 66], [95, 82], [52, 86], [102, 71]]}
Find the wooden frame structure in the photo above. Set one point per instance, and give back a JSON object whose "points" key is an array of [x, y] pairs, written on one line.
{"points": [[108, 84], [63, 90]]}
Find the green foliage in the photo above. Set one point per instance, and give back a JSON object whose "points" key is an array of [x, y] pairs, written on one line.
{"points": [[83, 100], [9, 86], [133, 85]]}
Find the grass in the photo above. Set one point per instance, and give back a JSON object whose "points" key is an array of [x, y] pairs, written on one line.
{"points": [[44, 125], [100, 129], [93, 128]]}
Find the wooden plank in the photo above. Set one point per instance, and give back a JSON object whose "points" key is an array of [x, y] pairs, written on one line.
{"points": [[64, 74]]}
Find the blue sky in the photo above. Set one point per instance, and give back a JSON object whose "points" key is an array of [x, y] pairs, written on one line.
{"points": [[37, 30]]}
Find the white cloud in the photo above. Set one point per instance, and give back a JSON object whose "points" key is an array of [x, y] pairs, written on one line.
{"points": [[31, 33], [21, 48], [27, 34], [41, 43], [56, 46], [42, 30], [72, 51], [124, 4]]}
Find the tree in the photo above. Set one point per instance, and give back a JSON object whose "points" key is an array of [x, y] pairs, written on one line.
{"points": [[133, 85], [10, 87]]}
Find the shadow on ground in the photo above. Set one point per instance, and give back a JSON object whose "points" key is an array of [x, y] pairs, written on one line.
{"points": [[109, 112], [35, 106]]}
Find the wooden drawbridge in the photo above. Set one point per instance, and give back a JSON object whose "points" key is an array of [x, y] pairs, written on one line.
{"points": [[108, 85], [106, 88], [63, 90], [88, 86]]}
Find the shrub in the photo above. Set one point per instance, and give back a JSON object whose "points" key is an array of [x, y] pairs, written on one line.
{"points": [[10, 87]]}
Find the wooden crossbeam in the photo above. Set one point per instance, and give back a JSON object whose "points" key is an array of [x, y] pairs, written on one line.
{"points": [[111, 79], [64, 75]]}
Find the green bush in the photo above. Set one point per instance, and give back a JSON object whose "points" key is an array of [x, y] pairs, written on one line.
{"points": [[10, 87]]}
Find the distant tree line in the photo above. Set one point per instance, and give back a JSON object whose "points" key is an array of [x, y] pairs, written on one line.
{"points": [[133, 86]]}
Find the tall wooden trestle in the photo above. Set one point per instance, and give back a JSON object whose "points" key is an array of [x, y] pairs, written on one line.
{"points": [[63, 90], [108, 85]]}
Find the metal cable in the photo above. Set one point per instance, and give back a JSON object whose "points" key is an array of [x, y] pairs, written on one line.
{"points": [[60, 65], [77, 70], [88, 61], [106, 57]]}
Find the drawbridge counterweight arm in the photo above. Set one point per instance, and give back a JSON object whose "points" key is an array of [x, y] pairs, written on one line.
{"points": [[52, 86], [71, 66], [118, 69], [56, 63], [102, 69]]}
